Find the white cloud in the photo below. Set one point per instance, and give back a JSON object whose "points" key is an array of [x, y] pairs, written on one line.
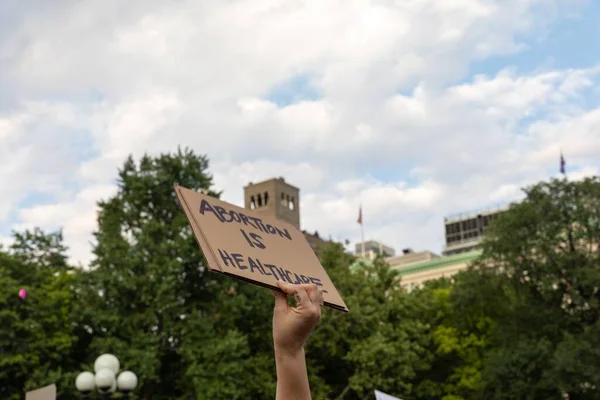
{"points": [[93, 82], [77, 217], [39, 149]]}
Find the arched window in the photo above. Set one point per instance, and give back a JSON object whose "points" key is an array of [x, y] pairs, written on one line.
{"points": [[266, 198], [283, 202], [252, 203], [259, 201], [292, 205]]}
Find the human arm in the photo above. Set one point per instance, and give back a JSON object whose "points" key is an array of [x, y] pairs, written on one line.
{"points": [[291, 328]]}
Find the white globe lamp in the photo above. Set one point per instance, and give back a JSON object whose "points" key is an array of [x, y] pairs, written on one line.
{"points": [[127, 381], [85, 382], [105, 379], [108, 361]]}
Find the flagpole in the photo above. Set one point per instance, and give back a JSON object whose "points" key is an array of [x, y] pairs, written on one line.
{"points": [[362, 238], [362, 231]]}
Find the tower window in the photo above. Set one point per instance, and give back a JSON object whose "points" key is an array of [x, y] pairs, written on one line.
{"points": [[252, 203], [259, 200], [266, 198], [292, 205], [283, 202]]}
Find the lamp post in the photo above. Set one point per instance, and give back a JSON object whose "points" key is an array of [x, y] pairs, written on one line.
{"points": [[105, 379]]}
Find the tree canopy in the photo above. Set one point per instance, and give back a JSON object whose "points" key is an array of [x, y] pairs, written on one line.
{"points": [[521, 323], [540, 267]]}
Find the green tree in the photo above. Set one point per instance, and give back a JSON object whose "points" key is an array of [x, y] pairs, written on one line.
{"points": [[149, 299], [36, 334], [457, 344], [539, 277], [378, 344]]}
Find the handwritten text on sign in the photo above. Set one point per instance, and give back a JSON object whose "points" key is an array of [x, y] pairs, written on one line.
{"points": [[254, 240]]}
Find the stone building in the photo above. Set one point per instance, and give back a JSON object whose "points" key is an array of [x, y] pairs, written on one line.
{"points": [[278, 199]]}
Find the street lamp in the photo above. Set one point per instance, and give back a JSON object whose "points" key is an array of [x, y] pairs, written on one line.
{"points": [[106, 380]]}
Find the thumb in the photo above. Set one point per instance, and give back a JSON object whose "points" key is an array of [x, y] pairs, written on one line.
{"points": [[281, 300]]}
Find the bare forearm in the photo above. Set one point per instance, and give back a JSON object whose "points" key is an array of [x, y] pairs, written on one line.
{"points": [[292, 376]]}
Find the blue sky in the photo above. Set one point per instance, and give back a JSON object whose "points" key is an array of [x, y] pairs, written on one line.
{"points": [[569, 43]]}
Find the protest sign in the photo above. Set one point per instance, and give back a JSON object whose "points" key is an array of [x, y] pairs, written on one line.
{"points": [[384, 396], [240, 243], [45, 393]]}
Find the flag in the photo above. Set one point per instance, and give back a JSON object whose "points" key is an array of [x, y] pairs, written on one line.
{"points": [[359, 220], [562, 164]]}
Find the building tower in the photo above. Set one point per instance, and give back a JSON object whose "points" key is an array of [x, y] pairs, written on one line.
{"points": [[274, 198]]}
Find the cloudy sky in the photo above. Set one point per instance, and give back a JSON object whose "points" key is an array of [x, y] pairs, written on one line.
{"points": [[414, 108]]}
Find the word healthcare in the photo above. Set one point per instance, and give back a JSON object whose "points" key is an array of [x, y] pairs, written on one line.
{"points": [[260, 250]]}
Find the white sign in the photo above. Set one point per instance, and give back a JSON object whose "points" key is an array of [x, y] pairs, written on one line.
{"points": [[383, 396]]}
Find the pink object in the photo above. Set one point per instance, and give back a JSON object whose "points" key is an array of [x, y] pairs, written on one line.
{"points": [[22, 294]]}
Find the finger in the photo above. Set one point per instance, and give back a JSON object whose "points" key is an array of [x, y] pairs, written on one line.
{"points": [[281, 302], [301, 297], [315, 294], [286, 287], [299, 293], [321, 296]]}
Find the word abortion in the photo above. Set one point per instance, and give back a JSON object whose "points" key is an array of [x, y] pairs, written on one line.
{"points": [[229, 216]]}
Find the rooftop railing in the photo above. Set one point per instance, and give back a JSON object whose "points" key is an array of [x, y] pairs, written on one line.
{"points": [[475, 213]]}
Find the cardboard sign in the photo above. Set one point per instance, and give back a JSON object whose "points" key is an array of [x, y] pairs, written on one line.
{"points": [[240, 243], [45, 393]]}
